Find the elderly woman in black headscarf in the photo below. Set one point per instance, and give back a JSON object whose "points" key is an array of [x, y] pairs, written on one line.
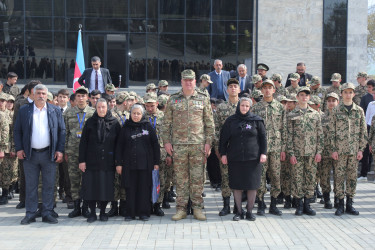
{"points": [[137, 154], [97, 159], [243, 146]]}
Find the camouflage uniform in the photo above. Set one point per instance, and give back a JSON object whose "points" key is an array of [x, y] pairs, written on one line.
{"points": [[188, 126], [285, 173], [319, 92], [280, 91], [359, 91], [11, 90], [10, 162], [5, 173], [292, 90], [348, 136], [73, 133], [304, 141]]}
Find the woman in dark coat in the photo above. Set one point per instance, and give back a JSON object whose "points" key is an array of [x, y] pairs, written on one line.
{"points": [[243, 146], [137, 154], [97, 159]]}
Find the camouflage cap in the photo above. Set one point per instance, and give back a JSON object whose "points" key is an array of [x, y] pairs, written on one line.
{"points": [[362, 74], [130, 97], [150, 97], [256, 94], [292, 98], [206, 77], [163, 99], [335, 77], [256, 78], [188, 74], [294, 76], [334, 95], [82, 89], [233, 81], [110, 87], [49, 96], [162, 83], [276, 77], [347, 85], [315, 81], [140, 100], [150, 86], [122, 96], [303, 89], [314, 99], [263, 66], [132, 93], [11, 98], [3, 96], [281, 98], [268, 82]]}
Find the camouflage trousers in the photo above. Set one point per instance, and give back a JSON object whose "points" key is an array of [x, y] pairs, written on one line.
{"points": [[188, 167], [8, 171], [324, 173], [286, 177], [346, 169], [40, 186], [75, 175], [303, 177], [225, 190], [119, 191], [170, 177], [162, 177], [273, 167]]}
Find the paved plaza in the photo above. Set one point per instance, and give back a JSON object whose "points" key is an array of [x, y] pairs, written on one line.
{"points": [[323, 231]]}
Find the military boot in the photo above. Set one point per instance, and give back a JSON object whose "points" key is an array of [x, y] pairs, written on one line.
{"points": [[122, 209], [336, 202], [226, 208], [76, 210], [273, 209], [349, 207], [4, 197], [327, 201], [307, 209], [288, 202], [166, 204], [318, 193], [198, 214], [280, 198], [172, 192], [114, 209], [179, 215], [299, 207], [157, 210], [85, 209], [261, 207], [340, 208], [294, 203]]}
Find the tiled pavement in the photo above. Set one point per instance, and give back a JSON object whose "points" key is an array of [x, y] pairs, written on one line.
{"points": [[325, 230]]}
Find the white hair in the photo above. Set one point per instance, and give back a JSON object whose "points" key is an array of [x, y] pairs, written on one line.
{"points": [[138, 106], [241, 66], [245, 99], [40, 87], [101, 100], [218, 60]]}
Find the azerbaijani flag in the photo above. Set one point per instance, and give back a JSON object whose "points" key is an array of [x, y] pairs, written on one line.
{"points": [[80, 63]]}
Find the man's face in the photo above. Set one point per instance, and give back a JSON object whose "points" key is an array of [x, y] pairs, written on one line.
{"points": [[233, 90], [112, 103], [301, 70], [10, 105], [268, 91], [108, 92], [62, 100], [291, 105], [218, 66], [370, 88], [242, 71], [314, 87], [258, 84], [294, 83], [94, 99], [204, 83], [336, 83], [188, 84], [262, 72], [2, 104], [40, 97], [315, 106], [81, 99], [12, 80], [332, 102], [151, 91], [347, 95], [151, 107], [163, 88], [303, 98], [130, 103], [277, 83], [96, 65], [361, 80]]}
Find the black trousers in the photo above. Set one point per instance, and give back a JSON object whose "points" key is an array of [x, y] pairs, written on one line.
{"points": [[22, 181], [64, 180], [138, 193], [213, 168], [366, 160]]}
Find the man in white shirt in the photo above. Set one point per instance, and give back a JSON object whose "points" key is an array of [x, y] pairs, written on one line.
{"points": [[95, 77]]}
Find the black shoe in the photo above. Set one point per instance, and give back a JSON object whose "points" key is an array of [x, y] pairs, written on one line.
{"points": [[203, 194], [165, 203], [238, 216], [318, 193], [321, 201], [20, 205], [327, 201], [4, 200], [340, 208], [62, 197], [92, 218], [103, 217], [288, 202], [129, 218], [26, 220], [299, 207], [273, 209], [336, 202], [170, 197], [38, 213], [54, 214], [261, 208], [250, 216], [85, 209], [77, 209], [122, 209], [10, 196], [226, 207], [294, 202], [173, 194], [114, 209], [280, 198], [157, 210], [144, 218], [49, 219], [349, 207], [307, 209]]}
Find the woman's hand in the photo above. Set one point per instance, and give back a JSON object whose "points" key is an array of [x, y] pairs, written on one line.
{"points": [[119, 169], [224, 160], [156, 167], [82, 166], [263, 158]]}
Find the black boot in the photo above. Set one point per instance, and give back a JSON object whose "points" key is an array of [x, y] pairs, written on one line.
{"points": [[10, 193], [280, 198], [157, 210], [76, 210], [173, 194], [261, 207], [114, 209], [288, 202], [39, 211], [189, 210], [349, 207], [318, 193], [122, 210], [273, 209], [165, 201], [20, 205], [103, 216], [92, 216], [340, 208], [327, 201], [294, 202], [85, 209], [336, 202], [169, 197], [4, 197], [299, 206], [226, 208], [307, 209]]}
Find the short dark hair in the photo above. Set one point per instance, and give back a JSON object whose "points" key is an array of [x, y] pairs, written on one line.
{"points": [[301, 64], [95, 59], [95, 92], [371, 82], [11, 75], [63, 92], [23, 90], [72, 97], [32, 84]]}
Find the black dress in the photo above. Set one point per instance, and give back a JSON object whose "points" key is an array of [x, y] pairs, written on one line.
{"points": [[97, 147], [243, 140]]}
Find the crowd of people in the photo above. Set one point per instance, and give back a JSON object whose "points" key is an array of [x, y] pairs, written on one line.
{"points": [[100, 145]]}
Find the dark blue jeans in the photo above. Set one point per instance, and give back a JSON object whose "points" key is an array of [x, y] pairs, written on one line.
{"points": [[39, 163]]}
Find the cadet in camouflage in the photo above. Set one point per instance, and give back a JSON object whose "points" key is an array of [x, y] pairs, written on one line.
{"points": [[280, 89], [294, 80], [361, 89], [316, 89], [5, 178]]}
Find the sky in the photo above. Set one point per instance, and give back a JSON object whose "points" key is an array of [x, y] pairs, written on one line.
{"points": [[371, 2]]}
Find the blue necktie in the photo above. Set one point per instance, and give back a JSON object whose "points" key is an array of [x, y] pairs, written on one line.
{"points": [[242, 87], [220, 87]]}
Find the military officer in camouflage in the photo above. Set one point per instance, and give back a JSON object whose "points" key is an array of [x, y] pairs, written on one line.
{"points": [[348, 137], [256, 96], [75, 119], [361, 89], [316, 89], [187, 134], [273, 114], [4, 148], [257, 81], [262, 70], [294, 80], [204, 82], [280, 89], [304, 146], [223, 111]]}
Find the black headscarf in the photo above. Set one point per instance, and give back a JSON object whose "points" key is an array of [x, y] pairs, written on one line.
{"points": [[104, 124], [132, 123]]}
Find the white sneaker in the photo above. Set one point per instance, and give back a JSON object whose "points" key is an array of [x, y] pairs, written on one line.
{"points": [[362, 179]]}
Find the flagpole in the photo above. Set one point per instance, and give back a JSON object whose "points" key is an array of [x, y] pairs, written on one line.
{"points": [[80, 60]]}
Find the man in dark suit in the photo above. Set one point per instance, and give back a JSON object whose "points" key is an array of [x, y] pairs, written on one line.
{"points": [[219, 77], [305, 78], [95, 77], [39, 136], [244, 80]]}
